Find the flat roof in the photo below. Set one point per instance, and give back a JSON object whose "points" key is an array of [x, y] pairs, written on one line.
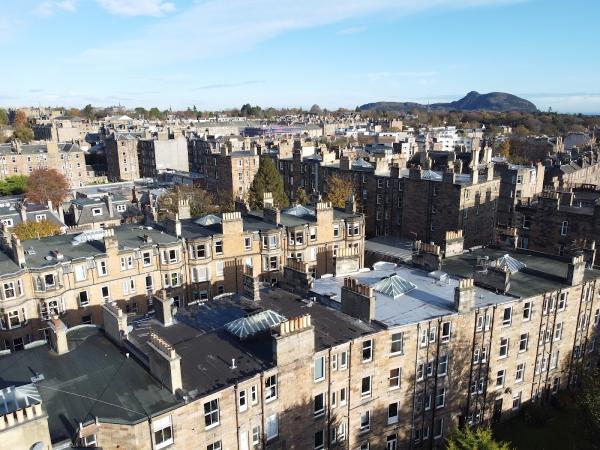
{"points": [[207, 349], [94, 379], [430, 299], [524, 283]]}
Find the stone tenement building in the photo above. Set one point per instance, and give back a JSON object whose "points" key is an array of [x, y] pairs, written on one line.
{"points": [[409, 203], [158, 155], [22, 159], [194, 259], [572, 169], [519, 185], [564, 222], [122, 157], [384, 359], [225, 171]]}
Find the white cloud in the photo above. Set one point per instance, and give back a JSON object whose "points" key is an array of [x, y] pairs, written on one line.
{"points": [[51, 7], [215, 27], [128, 8]]}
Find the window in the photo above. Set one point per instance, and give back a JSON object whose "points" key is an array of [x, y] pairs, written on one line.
{"points": [[367, 350], [214, 446], [527, 311], [146, 259], [313, 233], [397, 341], [271, 388], [271, 263], [219, 247], [334, 361], [343, 360], [523, 341], [554, 360], [7, 222], [319, 368], [96, 211], [503, 353], [564, 228], [336, 230], [342, 396], [555, 385], [90, 441], [219, 268], [516, 402], [442, 365], [365, 421], [102, 270], [256, 436], [254, 394], [424, 337], [500, 377], [558, 328], [365, 389], [394, 379], [440, 397], [247, 243], [120, 208], [319, 404], [211, 413], [319, 440], [438, 427], [242, 400], [562, 301], [392, 413], [520, 373], [163, 432], [507, 316], [446, 329], [80, 272], [82, 298], [105, 293], [272, 427], [126, 262]]}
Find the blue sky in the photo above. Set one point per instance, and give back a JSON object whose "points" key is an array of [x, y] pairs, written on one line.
{"points": [[222, 53]]}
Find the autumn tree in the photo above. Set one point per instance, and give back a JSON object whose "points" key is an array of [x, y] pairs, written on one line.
{"points": [[45, 185], [505, 148], [267, 179], [474, 439], [32, 229], [20, 117], [301, 196], [339, 189]]}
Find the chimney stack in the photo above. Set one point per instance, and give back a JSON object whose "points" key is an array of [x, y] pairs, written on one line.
{"points": [[464, 296]]}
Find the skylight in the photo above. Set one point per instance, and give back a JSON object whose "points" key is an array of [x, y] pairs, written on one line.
{"points": [[299, 211], [208, 220], [394, 286], [246, 327], [508, 262]]}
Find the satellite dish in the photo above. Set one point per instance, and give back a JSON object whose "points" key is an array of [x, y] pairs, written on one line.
{"points": [[38, 446]]}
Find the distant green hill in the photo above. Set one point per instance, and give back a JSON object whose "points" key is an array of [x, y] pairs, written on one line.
{"points": [[473, 101]]}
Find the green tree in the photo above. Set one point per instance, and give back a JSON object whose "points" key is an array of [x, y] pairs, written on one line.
{"points": [[13, 185], [3, 117], [45, 185], [267, 179], [339, 189], [34, 230], [88, 111], [23, 133], [156, 113], [589, 398], [474, 439], [301, 196], [201, 202]]}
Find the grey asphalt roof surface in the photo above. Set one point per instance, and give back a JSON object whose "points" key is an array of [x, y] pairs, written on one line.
{"points": [[94, 379]]}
